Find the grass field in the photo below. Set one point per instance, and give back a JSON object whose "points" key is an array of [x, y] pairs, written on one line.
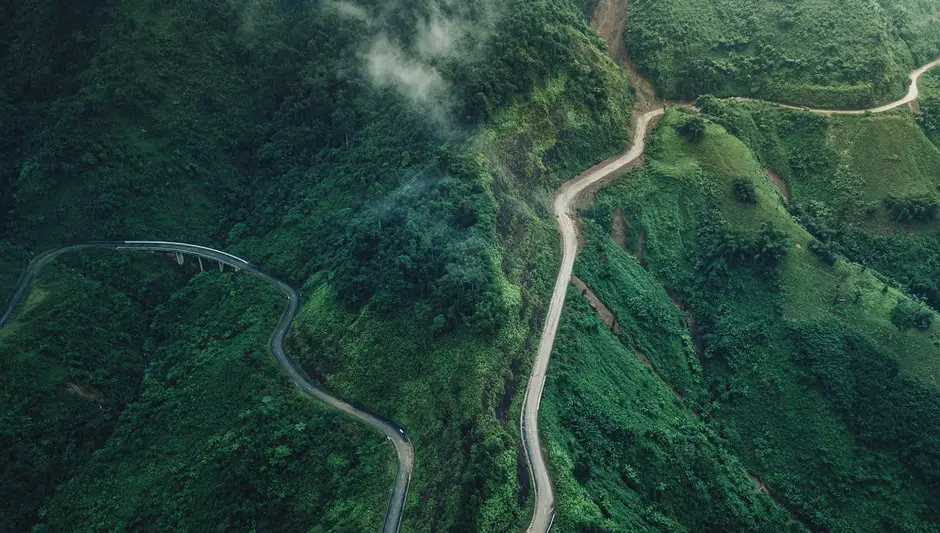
{"points": [[841, 172]]}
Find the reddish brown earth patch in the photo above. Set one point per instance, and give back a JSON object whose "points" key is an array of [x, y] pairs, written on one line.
{"points": [[618, 229], [597, 305], [610, 20], [778, 184]]}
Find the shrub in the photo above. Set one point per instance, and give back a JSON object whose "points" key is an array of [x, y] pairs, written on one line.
{"points": [[908, 314], [693, 129], [822, 252], [921, 208], [744, 192]]}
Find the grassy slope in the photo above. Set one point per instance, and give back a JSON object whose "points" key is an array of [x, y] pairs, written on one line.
{"points": [[842, 169], [212, 422], [627, 454], [777, 411], [812, 52]]}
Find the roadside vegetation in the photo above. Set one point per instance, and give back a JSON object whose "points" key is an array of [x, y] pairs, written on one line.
{"points": [[170, 409], [414, 217], [818, 53], [865, 187], [809, 380]]}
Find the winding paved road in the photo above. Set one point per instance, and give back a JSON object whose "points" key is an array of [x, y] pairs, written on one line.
{"points": [[392, 431], [543, 513]]}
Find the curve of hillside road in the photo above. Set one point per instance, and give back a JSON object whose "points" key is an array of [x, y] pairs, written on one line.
{"points": [[543, 513], [391, 430], [912, 94]]}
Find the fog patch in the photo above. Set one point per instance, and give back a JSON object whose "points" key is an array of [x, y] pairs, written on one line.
{"points": [[447, 33], [347, 10]]}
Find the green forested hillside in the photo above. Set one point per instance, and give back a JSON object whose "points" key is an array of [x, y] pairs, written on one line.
{"points": [[810, 378], [395, 161], [854, 182], [769, 276], [167, 410], [819, 53]]}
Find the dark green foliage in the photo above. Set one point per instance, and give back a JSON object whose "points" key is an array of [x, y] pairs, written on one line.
{"points": [[909, 314], [639, 460], [69, 365], [817, 219], [786, 412], [743, 191], [928, 106], [693, 129], [825, 200], [909, 209], [258, 128], [216, 426], [762, 251], [807, 52], [822, 251], [884, 408]]}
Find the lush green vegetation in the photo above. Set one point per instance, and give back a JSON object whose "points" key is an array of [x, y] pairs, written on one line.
{"points": [[865, 187], [820, 53], [627, 454], [403, 179], [170, 409], [802, 373]]}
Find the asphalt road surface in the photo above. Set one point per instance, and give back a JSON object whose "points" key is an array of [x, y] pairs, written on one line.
{"points": [[391, 430]]}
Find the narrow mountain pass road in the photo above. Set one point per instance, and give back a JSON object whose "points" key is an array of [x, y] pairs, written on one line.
{"points": [[394, 432], [913, 93], [543, 513]]}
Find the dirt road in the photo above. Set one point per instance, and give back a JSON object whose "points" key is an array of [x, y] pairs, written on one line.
{"points": [[566, 196], [912, 94], [544, 512]]}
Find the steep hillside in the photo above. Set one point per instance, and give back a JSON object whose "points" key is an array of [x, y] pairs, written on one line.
{"points": [[865, 186], [394, 161], [819, 53], [811, 374], [167, 411]]}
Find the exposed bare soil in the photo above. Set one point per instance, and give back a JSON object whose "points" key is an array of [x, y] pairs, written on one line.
{"points": [[778, 184], [610, 20], [597, 305], [618, 229]]}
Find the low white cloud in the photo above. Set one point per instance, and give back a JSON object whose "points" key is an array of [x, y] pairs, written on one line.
{"points": [[347, 10]]}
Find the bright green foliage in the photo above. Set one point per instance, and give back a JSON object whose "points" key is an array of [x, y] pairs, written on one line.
{"points": [[778, 397], [845, 175], [850, 53], [258, 127], [452, 394], [626, 454]]}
